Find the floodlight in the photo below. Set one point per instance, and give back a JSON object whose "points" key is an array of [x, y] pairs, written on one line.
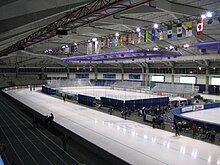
{"points": [[156, 25]]}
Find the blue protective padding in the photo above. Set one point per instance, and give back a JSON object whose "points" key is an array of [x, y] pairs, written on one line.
{"points": [[48, 90], [135, 104], [86, 100], [108, 102]]}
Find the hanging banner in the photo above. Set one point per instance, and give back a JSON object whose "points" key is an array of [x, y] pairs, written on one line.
{"points": [[127, 39], [160, 33], [139, 37], [169, 31], [153, 34], [146, 35], [199, 27], [89, 48], [110, 42], [121, 40], [132, 38], [188, 29], [179, 30], [116, 41], [97, 47], [102, 44], [106, 42], [67, 50]]}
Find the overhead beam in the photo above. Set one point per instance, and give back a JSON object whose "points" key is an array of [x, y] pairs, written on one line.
{"points": [[206, 62], [141, 9], [89, 13], [30, 61], [123, 21], [178, 8], [41, 56]]}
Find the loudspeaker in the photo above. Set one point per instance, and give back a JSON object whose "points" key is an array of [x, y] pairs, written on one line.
{"points": [[20, 48], [203, 50], [61, 32]]}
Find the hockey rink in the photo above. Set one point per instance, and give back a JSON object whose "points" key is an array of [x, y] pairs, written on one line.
{"points": [[209, 115], [98, 92], [133, 142]]}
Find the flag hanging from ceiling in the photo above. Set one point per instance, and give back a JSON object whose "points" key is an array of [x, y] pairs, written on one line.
{"points": [[153, 34], [110, 42], [127, 39], [132, 38], [179, 30], [120, 40], [116, 41], [106, 42], [188, 29], [199, 27], [102, 44], [169, 31], [160, 33], [97, 47], [89, 48], [74, 48], [146, 35], [139, 37]]}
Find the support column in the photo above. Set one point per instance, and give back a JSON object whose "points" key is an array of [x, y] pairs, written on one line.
{"points": [[16, 70], [68, 72], [143, 75], [172, 75], [96, 73], [41, 77], [147, 76], [122, 72], [207, 80]]}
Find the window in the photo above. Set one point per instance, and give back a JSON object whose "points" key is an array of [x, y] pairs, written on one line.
{"points": [[188, 80], [215, 81], [111, 76], [82, 75], [134, 76], [158, 78]]}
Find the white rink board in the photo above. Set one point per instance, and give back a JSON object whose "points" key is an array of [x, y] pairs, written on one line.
{"points": [[209, 115]]}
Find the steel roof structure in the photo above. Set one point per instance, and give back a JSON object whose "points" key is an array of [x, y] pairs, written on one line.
{"points": [[28, 28]]}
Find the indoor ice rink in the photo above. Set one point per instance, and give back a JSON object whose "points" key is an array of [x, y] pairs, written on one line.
{"points": [[122, 138], [110, 82]]}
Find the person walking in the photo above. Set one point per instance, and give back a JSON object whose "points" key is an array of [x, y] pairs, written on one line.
{"points": [[177, 128], [64, 98]]}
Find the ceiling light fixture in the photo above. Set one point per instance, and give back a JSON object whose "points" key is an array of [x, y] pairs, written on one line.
{"points": [[203, 16], [138, 29], [116, 34], [209, 14], [156, 25], [94, 39]]}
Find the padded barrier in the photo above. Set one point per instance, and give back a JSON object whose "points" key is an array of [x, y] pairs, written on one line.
{"points": [[135, 104], [108, 102], [86, 100], [48, 90]]}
